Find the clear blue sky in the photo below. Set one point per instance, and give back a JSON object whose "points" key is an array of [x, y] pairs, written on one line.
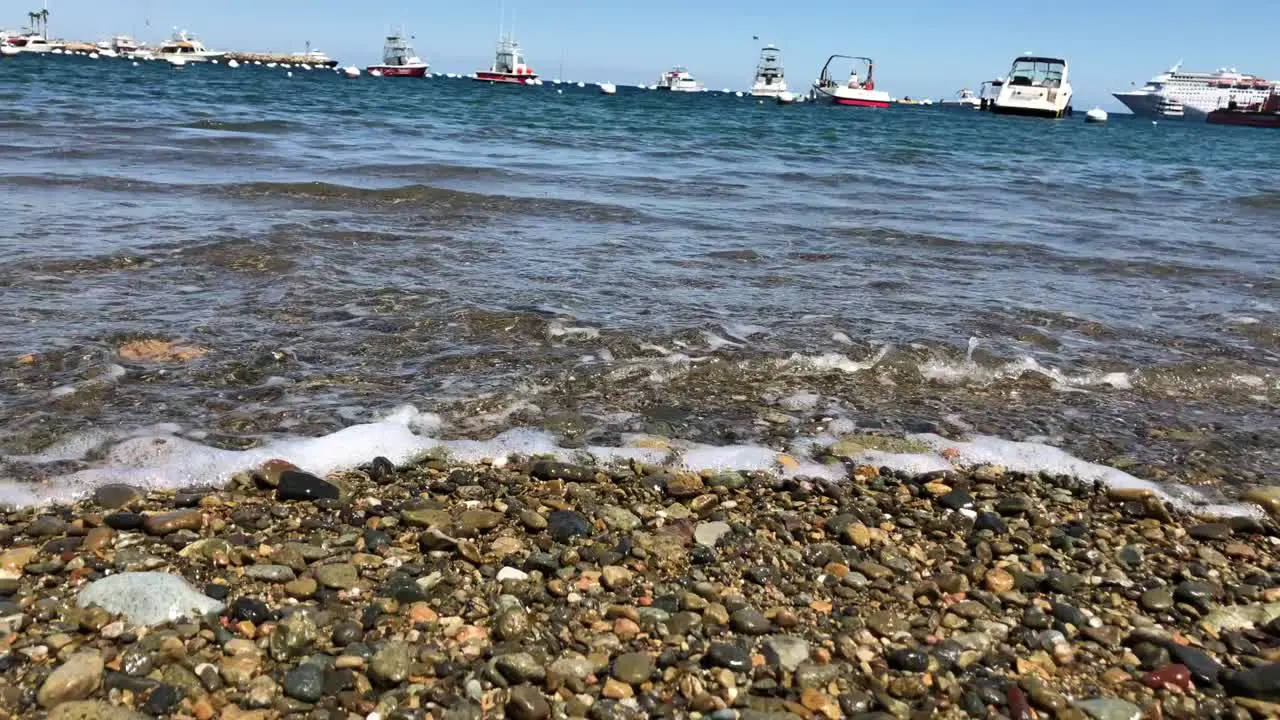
{"points": [[922, 47]]}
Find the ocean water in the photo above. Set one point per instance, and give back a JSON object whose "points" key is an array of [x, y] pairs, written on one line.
{"points": [[707, 268]]}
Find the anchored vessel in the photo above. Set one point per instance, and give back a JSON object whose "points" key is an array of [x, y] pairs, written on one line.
{"points": [[859, 90], [964, 99], [1036, 86], [508, 65], [186, 47], [399, 59], [770, 80], [1197, 93], [679, 79], [1263, 114]]}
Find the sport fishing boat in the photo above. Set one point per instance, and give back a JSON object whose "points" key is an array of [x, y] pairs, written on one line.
{"points": [[770, 80], [398, 60], [187, 48], [678, 79], [1037, 86], [1264, 114], [964, 99], [33, 42], [508, 65], [859, 90], [314, 58], [1199, 93]]}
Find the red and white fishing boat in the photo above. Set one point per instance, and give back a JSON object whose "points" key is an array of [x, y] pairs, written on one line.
{"points": [[859, 90], [399, 60], [508, 66]]}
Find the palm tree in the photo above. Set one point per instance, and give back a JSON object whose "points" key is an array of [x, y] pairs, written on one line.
{"points": [[34, 19], [44, 18]]}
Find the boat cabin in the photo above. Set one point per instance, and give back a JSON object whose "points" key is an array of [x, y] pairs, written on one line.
{"points": [[1043, 72], [509, 58]]}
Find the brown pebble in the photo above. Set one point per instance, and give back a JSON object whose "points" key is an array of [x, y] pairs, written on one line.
{"points": [[998, 580]]}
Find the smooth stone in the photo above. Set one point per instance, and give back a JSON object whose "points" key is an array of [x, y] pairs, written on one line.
{"points": [[93, 710], [750, 621], [124, 521], [573, 666], [305, 683], [293, 636], [527, 703], [75, 679], [1156, 599], [390, 665], [619, 518], [171, 522], [908, 660], [956, 500], [116, 495], [162, 700], [1211, 531], [520, 667], [148, 598], [475, 521], [1261, 682], [338, 576], [551, 470], [251, 609], [786, 652], [1241, 617], [297, 485], [1204, 669], [270, 573], [633, 668], [564, 525], [1109, 709], [512, 574], [727, 656], [710, 533]]}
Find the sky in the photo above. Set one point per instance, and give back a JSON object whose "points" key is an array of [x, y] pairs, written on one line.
{"points": [[922, 48]]}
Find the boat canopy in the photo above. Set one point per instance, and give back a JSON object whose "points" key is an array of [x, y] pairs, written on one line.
{"points": [[1037, 71]]}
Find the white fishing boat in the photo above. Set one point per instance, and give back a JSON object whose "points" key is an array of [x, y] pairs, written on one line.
{"points": [[313, 58], [509, 66], [679, 79], [186, 47], [858, 91], [964, 99], [770, 80], [399, 59], [33, 42], [1038, 86]]}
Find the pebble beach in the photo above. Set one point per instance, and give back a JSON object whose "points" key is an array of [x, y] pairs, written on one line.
{"points": [[533, 589]]}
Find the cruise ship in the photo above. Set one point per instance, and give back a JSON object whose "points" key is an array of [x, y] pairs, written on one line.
{"points": [[1198, 93]]}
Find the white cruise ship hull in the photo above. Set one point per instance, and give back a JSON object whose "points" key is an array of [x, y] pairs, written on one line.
{"points": [[1147, 105]]}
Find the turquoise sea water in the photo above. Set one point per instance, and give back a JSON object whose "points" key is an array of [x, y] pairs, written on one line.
{"points": [[641, 262]]}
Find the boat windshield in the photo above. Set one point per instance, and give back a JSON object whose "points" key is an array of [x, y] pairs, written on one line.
{"points": [[1040, 72]]}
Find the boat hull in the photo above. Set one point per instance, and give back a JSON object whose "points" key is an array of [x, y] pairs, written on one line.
{"points": [[415, 71], [1024, 111], [853, 97], [506, 78], [1244, 119], [860, 102]]}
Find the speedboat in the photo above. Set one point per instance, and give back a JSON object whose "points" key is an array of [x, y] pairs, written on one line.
{"points": [[907, 100], [964, 99], [186, 47], [770, 80], [859, 90], [313, 58], [508, 65], [399, 60], [679, 79], [1037, 86]]}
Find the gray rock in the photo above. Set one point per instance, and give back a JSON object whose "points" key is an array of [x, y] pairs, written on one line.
{"points": [[786, 652], [270, 573], [148, 598], [520, 667], [116, 495], [1242, 617], [1262, 682], [338, 576], [75, 679], [750, 621], [728, 656], [305, 683], [814, 676], [93, 710], [572, 665], [618, 518], [1109, 709], [527, 703], [633, 668], [1156, 600], [709, 533], [390, 665], [293, 636]]}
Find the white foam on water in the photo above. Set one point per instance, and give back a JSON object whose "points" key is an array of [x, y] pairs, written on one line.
{"points": [[951, 372], [836, 361], [715, 342], [557, 329], [157, 458]]}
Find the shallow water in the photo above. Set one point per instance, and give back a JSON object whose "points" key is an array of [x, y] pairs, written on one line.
{"points": [[595, 265]]}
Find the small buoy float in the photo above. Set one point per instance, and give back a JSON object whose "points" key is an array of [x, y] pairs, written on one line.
{"points": [[582, 84], [375, 73], [135, 63], [1096, 115], [559, 91], [608, 88], [233, 64], [786, 98], [351, 72], [94, 56], [214, 61], [289, 74], [738, 94]]}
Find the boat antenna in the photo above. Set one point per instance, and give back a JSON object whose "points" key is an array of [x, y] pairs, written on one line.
{"points": [[502, 16]]}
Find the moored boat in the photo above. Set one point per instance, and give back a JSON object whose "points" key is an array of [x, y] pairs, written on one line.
{"points": [[858, 91], [679, 79], [964, 99], [508, 65], [314, 58], [187, 48], [1265, 114], [770, 80], [399, 59], [1037, 86]]}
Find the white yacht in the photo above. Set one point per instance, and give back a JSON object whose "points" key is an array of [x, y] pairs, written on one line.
{"points": [[770, 80], [1198, 93], [1037, 86], [679, 79], [33, 42], [314, 58], [964, 99], [186, 47]]}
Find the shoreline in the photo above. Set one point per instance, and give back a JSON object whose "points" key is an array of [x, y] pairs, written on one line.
{"points": [[535, 587]]}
